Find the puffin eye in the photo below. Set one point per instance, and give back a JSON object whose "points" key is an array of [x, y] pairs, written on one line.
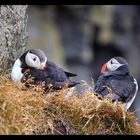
{"points": [[111, 62], [34, 58]]}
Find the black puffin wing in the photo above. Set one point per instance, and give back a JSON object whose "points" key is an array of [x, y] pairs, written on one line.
{"points": [[61, 84], [100, 86], [69, 74], [123, 90], [37, 76], [56, 72]]}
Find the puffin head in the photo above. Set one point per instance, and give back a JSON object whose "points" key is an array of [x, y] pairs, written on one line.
{"points": [[35, 58], [115, 64]]}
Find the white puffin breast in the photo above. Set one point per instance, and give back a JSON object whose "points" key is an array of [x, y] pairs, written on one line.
{"points": [[131, 101], [16, 73]]}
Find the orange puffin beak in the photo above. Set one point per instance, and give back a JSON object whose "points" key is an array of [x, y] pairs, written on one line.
{"points": [[104, 68]]}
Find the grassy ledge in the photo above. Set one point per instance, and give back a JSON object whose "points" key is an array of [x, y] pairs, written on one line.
{"points": [[29, 111]]}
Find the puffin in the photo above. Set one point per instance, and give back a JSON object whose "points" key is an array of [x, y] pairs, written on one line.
{"points": [[33, 68], [117, 81]]}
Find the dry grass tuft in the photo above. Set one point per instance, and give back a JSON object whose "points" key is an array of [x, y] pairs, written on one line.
{"points": [[28, 111], [20, 109]]}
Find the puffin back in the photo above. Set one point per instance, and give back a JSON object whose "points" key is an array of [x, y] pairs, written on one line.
{"points": [[55, 72]]}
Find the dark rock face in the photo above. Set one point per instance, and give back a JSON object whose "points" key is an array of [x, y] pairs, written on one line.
{"points": [[13, 34]]}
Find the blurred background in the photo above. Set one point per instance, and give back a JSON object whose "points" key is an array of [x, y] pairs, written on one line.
{"points": [[80, 38]]}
